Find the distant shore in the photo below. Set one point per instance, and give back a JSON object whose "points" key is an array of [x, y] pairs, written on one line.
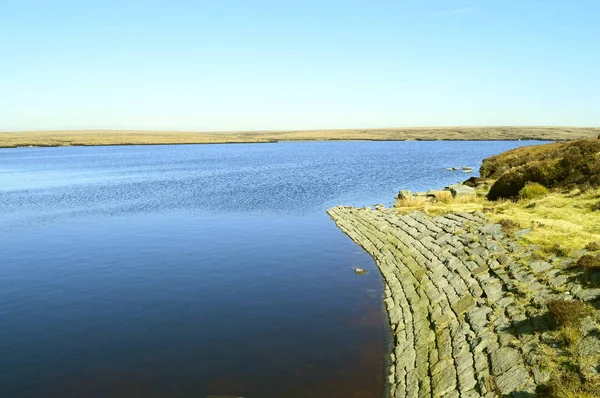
{"points": [[128, 137]]}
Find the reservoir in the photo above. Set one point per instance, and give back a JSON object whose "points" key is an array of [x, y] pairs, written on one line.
{"points": [[197, 270]]}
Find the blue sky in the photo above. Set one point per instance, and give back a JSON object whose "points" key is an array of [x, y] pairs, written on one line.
{"points": [[265, 65]]}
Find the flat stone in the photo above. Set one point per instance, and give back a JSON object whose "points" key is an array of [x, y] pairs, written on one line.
{"points": [[464, 304], [461, 190], [512, 380], [504, 359]]}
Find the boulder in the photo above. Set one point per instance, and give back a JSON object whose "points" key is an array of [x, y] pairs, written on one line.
{"points": [[460, 190]]}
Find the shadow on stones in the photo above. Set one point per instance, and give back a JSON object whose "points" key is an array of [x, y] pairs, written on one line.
{"points": [[536, 324], [520, 394]]}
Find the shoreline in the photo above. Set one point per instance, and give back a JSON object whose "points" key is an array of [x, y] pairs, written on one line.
{"points": [[466, 303], [270, 142], [120, 137]]}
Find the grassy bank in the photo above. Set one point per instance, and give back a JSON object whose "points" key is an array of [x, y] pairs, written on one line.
{"points": [[114, 137], [548, 199]]}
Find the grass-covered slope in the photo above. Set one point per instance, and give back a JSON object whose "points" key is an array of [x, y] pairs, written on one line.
{"points": [[566, 165]]}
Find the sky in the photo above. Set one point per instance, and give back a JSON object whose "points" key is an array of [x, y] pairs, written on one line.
{"points": [[226, 65]]}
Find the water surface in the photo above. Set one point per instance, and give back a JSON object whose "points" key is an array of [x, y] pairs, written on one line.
{"points": [[184, 271]]}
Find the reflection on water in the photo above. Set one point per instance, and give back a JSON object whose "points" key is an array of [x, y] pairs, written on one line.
{"points": [[185, 271]]}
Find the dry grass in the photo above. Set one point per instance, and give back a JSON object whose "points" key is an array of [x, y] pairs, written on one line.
{"points": [[558, 217], [569, 313], [441, 204], [114, 137], [589, 262]]}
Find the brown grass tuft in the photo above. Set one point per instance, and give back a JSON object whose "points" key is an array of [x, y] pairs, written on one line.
{"points": [[569, 313], [589, 262]]}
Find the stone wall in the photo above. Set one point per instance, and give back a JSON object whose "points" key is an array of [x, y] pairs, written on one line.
{"points": [[464, 302]]}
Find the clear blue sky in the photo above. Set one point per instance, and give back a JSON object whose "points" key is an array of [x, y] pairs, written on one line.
{"points": [[279, 64]]}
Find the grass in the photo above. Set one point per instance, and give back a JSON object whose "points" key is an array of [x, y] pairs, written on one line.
{"points": [[571, 377], [560, 222], [560, 165], [569, 313], [533, 190], [558, 217], [589, 262], [115, 137], [593, 246]]}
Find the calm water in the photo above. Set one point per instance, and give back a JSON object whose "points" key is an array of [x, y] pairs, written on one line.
{"points": [[184, 271]]}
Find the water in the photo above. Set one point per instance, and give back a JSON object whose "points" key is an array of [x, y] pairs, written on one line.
{"points": [[184, 271]]}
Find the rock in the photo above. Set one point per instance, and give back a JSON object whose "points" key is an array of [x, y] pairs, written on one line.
{"points": [[360, 271], [405, 194], [431, 193], [460, 190], [521, 233], [464, 304]]}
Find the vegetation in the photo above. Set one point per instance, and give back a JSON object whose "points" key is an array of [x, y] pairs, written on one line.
{"points": [[570, 379], [593, 246], [571, 385], [548, 196], [532, 190], [569, 313], [509, 226], [560, 165], [107, 137], [589, 262]]}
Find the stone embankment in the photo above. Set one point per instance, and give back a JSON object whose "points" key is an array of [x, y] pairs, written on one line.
{"points": [[464, 302]]}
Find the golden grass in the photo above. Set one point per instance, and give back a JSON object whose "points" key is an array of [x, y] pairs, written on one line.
{"points": [[115, 137], [558, 217], [443, 203]]}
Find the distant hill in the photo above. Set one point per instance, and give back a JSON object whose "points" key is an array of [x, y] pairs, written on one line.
{"points": [[118, 137]]}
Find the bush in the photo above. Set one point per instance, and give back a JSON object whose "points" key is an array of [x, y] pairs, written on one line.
{"points": [[511, 182], [593, 246], [532, 190], [596, 206], [589, 262], [569, 313]]}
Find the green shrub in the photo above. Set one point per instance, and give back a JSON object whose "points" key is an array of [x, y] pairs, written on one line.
{"points": [[596, 206], [589, 262], [532, 190], [568, 313]]}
